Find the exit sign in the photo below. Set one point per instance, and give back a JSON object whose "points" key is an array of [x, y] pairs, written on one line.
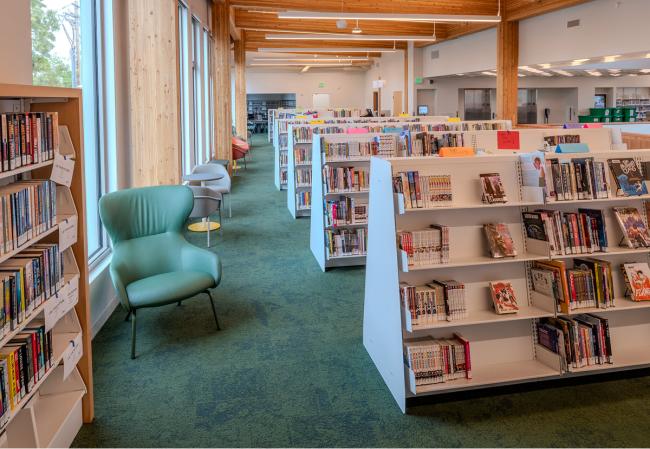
{"points": [[321, 85], [418, 80]]}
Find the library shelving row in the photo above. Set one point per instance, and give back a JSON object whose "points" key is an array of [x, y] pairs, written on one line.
{"points": [[505, 348], [281, 134], [46, 350], [299, 150]]}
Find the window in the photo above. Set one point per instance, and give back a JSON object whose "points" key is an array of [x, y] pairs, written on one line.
{"points": [[183, 46], [197, 91], [70, 39], [208, 103]]}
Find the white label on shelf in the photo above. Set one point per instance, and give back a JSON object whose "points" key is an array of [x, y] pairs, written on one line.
{"points": [[66, 146], [70, 295], [62, 170], [67, 233], [72, 356], [52, 310]]}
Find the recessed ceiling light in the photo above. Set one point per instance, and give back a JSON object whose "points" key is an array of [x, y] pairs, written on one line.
{"points": [[579, 61], [489, 73], [347, 37], [356, 29], [460, 74], [614, 70], [431, 18], [304, 69], [615, 74], [326, 50], [611, 58], [647, 56], [520, 75], [632, 74], [644, 70], [545, 66], [594, 72]]}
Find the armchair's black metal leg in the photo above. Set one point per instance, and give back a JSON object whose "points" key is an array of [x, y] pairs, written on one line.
{"points": [[128, 315], [179, 303], [214, 311], [133, 335]]}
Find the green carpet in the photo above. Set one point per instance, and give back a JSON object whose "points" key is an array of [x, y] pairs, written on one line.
{"points": [[289, 367]]}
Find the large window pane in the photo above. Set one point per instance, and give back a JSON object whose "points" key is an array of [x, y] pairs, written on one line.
{"points": [[183, 45], [197, 97]]}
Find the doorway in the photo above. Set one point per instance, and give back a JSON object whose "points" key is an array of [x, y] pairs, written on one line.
{"points": [[398, 107], [376, 104], [477, 104]]}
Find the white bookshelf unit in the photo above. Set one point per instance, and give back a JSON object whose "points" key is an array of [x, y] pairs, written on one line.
{"points": [[51, 412], [504, 348]]}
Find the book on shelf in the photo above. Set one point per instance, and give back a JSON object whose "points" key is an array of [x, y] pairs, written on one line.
{"points": [[503, 297], [492, 190], [435, 142], [551, 142], [340, 151], [426, 246], [580, 340], [533, 169], [499, 240], [346, 211], [302, 155], [588, 284], [577, 179], [27, 138], [453, 298], [303, 200], [440, 360], [635, 233], [302, 134], [423, 304], [303, 176], [423, 191], [637, 280], [345, 179], [385, 145], [284, 158], [628, 177], [23, 362], [346, 242], [566, 233]]}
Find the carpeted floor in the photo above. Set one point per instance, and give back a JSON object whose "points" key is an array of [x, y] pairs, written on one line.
{"points": [[289, 367]]}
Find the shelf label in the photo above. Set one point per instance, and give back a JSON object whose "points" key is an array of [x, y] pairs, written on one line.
{"points": [[70, 295], [62, 170], [72, 356], [67, 233], [52, 310]]}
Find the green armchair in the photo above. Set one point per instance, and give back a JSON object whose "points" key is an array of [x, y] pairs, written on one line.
{"points": [[153, 265]]}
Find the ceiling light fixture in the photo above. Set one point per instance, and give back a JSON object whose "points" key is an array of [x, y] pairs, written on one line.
{"points": [[644, 70], [304, 69], [356, 29], [520, 75], [448, 18], [632, 74], [489, 73], [347, 37], [534, 70], [289, 64], [579, 61], [326, 50], [343, 59], [594, 72], [545, 66], [460, 74], [611, 58], [562, 72]]}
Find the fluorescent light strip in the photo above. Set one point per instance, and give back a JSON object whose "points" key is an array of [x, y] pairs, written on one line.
{"points": [[534, 70], [326, 50], [579, 61], [489, 73], [315, 15], [562, 72], [294, 64], [309, 59], [348, 37], [305, 68]]}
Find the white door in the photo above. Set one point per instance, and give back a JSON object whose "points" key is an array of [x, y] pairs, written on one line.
{"points": [[321, 101]]}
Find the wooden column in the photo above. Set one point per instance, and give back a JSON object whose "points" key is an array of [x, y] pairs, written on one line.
{"points": [[405, 108], [222, 95], [241, 110], [154, 105], [507, 65]]}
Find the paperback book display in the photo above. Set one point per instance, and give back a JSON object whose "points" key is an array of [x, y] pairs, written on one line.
{"points": [[635, 233], [628, 177], [492, 190], [637, 281], [499, 240], [577, 179], [303, 200], [302, 155], [346, 242], [302, 134], [27, 138], [503, 297], [588, 284], [346, 211], [435, 361], [423, 191], [345, 179], [581, 232], [437, 301], [342, 151], [425, 247], [580, 340], [303, 177]]}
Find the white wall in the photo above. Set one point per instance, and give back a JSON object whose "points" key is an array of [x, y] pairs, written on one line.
{"points": [[16, 38], [471, 53], [607, 27], [346, 89], [390, 67], [562, 103]]}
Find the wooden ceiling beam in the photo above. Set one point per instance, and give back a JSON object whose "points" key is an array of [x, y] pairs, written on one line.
{"points": [[395, 6], [523, 9]]}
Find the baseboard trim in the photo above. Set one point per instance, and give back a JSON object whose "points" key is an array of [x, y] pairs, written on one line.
{"points": [[111, 305]]}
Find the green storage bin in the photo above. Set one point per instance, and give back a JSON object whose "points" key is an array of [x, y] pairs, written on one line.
{"points": [[588, 119], [618, 118], [615, 111], [598, 112]]}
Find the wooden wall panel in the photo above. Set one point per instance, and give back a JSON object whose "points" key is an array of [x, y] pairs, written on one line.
{"points": [[154, 92], [241, 110], [222, 108], [507, 61], [636, 141]]}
